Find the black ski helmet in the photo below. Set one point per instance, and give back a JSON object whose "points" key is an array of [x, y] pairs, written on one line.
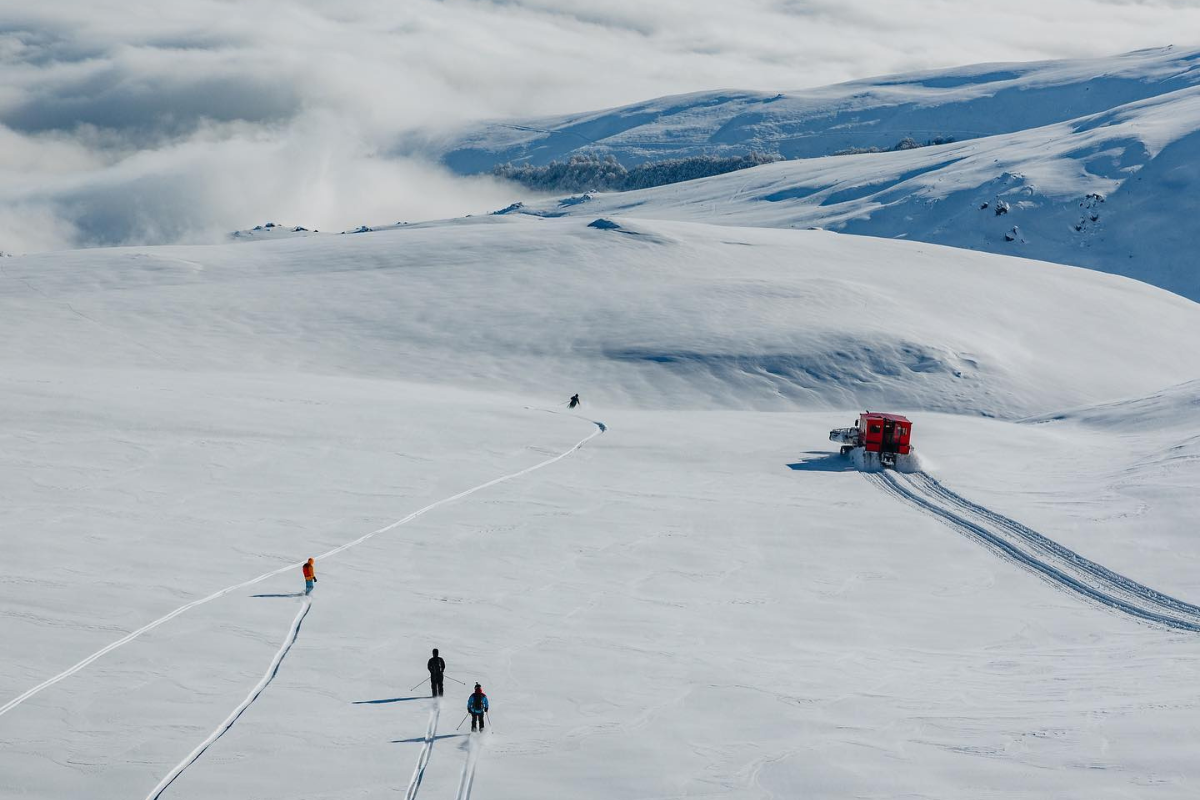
{"points": [[435, 651]]}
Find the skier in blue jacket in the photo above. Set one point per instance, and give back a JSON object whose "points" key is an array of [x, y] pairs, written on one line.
{"points": [[477, 706]]}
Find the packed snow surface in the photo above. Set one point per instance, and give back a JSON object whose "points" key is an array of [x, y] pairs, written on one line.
{"points": [[666, 593]]}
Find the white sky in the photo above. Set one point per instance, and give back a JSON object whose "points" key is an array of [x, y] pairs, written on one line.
{"points": [[126, 122]]}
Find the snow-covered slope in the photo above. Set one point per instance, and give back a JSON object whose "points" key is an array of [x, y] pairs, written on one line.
{"points": [[649, 314], [1090, 163], [1173, 407], [1116, 191], [703, 599], [964, 103]]}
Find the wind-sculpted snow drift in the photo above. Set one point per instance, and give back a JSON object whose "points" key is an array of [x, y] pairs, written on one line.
{"points": [[647, 313]]}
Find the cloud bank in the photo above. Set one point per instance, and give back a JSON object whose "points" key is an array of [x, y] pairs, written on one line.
{"points": [[178, 122]]}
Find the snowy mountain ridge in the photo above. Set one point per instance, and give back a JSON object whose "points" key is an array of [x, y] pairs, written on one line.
{"points": [[963, 102], [1113, 189]]}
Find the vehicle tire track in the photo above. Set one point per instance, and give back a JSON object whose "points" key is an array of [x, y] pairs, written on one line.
{"points": [[18, 700], [426, 751], [224, 727], [1053, 548], [1057, 565]]}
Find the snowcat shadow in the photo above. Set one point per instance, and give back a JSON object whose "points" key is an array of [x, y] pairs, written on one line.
{"points": [[391, 700], [823, 461], [289, 594]]}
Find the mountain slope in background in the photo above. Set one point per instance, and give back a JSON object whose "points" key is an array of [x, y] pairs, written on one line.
{"points": [[964, 103], [1091, 163], [1114, 191]]}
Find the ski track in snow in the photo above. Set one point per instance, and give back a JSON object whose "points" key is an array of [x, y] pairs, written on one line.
{"points": [[224, 727], [467, 779], [426, 751], [16, 701], [1058, 565]]}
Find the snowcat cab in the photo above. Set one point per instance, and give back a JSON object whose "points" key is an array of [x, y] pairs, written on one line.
{"points": [[888, 435]]}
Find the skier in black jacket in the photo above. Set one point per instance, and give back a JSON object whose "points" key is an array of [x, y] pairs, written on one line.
{"points": [[574, 400], [437, 669]]}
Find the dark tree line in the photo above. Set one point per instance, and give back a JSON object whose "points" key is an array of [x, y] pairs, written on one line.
{"points": [[907, 143], [594, 173]]}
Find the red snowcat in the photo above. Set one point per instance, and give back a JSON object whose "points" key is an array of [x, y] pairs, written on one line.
{"points": [[885, 434]]}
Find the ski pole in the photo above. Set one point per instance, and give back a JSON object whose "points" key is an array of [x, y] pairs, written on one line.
{"points": [[464, 719], [413, 689], [489, 716], [456, 680]]}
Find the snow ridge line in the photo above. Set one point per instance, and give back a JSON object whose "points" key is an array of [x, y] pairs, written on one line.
{"points": [[1053, 548], [467, 779], [224, 727], [1055, 569], [129, 637], [426, 751]]}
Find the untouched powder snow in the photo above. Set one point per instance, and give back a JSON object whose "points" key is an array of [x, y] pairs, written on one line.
{"points": [[698, 598]]}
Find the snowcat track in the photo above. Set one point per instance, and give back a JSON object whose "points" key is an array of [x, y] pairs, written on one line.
{"points": [[1102, 573], [1052, 562]]}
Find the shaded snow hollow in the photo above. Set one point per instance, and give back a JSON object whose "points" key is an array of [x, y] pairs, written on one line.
{"points": [[678, 315]]}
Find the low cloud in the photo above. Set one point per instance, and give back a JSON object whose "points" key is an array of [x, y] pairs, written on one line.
{"points": [[126, 123]]}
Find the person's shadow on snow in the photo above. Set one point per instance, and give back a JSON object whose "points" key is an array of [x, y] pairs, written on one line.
{"points": [[391, 700]]}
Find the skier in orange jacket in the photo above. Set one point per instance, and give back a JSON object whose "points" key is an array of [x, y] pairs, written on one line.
{"points": [[310, 576]]}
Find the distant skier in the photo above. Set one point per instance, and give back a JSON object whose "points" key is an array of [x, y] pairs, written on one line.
{"points": [[574, 400], [477, 706], [310, 576], [437, 669]]}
